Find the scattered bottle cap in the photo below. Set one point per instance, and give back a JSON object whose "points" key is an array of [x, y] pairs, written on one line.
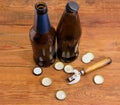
{"points": [[68, 69], [91, 56], [87, 58], [59, 66], [60, 95], [46, 81], [37, 71], [98, 79]]}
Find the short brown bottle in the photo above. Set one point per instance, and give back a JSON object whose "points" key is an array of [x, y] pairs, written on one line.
{"points": [[68, 33], [42, 37]]}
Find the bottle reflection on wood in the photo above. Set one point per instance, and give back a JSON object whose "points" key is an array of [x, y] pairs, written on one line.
{"points": [[42, 37], [68, 33]]}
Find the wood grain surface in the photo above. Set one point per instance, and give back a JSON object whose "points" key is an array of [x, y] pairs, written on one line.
{"points": [[100, 20]]}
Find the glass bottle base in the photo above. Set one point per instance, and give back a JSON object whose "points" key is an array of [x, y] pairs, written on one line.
{"points": [[44, 63], [67, 60]]}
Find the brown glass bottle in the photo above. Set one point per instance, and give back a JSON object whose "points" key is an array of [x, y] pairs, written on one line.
{"points": [[42, 37], [68, 33]]}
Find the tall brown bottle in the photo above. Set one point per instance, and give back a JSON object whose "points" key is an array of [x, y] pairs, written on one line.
{"points": [[42, 37], [68, 33]]}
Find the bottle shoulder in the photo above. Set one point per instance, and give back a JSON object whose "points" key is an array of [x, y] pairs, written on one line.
{"points": [[42, 38], [69, 26], [69, 20], [33, 32]]}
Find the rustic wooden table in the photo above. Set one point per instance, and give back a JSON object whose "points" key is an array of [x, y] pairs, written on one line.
{"points": [[100, 20]]}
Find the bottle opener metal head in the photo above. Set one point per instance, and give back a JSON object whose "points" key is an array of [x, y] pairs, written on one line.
{"points": [[75, 78]]}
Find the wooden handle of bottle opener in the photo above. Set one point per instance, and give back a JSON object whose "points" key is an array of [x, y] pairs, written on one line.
{"points": [[98, 65]]}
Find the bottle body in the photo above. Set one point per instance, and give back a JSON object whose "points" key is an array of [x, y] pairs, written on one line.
{"points": [[42, 37], [68, 36]]}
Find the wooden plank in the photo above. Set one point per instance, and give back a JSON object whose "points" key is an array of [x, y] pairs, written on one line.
{"points": [[25, 86], [92, 12], [15, 44]]}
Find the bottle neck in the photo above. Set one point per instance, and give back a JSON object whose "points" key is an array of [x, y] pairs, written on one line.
{"points": [[41, 23]]}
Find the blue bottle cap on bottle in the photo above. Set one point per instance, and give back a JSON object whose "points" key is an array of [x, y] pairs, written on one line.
{"points": [[72, 6]]}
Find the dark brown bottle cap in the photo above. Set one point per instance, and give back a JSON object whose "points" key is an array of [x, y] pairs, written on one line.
{"points": [[72, 6], [41, 7]]}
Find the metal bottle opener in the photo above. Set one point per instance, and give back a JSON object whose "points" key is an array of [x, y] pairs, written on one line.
{"points": [[75, 78]]}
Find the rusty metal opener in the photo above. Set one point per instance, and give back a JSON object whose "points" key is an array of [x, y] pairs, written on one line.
{"points": [[75, 78]]}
